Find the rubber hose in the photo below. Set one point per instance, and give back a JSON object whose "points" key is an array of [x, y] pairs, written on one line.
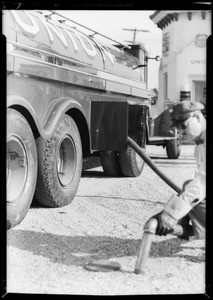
{"points": [[152, 165]]}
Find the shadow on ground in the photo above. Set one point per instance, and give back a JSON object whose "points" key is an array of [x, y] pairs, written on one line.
{"points": [[78, 250]]}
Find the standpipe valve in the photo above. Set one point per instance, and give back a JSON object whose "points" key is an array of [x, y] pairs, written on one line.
{"points": [[149, 232]]}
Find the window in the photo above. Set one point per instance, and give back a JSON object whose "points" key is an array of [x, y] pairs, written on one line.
{"points": [[123, 58], [165, 86], [166, 44]]}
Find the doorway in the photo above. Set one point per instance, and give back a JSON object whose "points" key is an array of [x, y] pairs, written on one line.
{"points": [[199, 91]]}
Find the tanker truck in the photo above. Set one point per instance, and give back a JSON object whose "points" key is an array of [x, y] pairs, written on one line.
{"points": [[69, 97]]}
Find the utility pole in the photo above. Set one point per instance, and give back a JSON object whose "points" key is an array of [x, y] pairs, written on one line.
{"points": [[135, 30]]}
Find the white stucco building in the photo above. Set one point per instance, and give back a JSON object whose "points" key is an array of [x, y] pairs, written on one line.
{"points": [[182, 71]]}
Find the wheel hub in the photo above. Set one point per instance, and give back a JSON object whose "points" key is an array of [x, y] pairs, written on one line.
{"points": [[66, 162], [16, 168]]}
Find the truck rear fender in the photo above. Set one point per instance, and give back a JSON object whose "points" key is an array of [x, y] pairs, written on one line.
{"points": [[74, 109], [64, 106], [83, 128], [21, 105]]}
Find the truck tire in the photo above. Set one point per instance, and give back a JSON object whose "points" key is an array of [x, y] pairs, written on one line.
{"points": [[21, 167], [110, 163], [59, 165], [131, 163], [173, 148]]}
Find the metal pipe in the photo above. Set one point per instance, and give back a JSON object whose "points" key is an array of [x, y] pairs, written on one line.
{"points": [[149, 232], [146, 243], [152, 165]]}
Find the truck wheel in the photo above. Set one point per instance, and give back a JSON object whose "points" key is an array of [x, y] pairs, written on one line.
{"points": [[21, 167], [59, 165], [131, 163], [173, 147], [110, 163]]}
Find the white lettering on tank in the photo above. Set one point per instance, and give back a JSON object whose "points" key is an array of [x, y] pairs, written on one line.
{"points": [[92, 52], [71, 37], [30, 30], [49, 27]]}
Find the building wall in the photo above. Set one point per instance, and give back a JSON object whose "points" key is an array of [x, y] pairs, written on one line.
{"points": [[183, 55]]}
